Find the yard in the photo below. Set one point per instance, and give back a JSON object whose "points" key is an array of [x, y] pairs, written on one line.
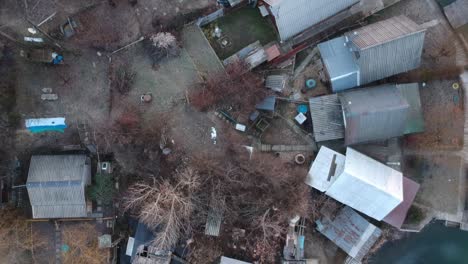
{"points": [[240, 28]]}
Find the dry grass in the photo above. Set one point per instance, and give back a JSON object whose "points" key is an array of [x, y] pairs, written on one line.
{"points": [[83, 242]]}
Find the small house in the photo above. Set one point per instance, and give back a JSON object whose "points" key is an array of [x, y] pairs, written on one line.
{"points": [[358, 181], [373, 52], [367, 114], [56, 185]]}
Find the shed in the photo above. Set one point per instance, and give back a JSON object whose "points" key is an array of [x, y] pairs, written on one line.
{"points": [[140, 250], [214, 217], [294, 16], [350, 232], [56, 185], [367, 186], [268, 104], [373, 52], [327, 117], [371, 114]]}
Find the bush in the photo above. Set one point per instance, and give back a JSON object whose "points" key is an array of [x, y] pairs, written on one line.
{"points": [[102, 189]]}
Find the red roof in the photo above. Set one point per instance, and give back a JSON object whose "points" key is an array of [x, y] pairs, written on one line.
{"points": [[398, 215], [272, 52]]}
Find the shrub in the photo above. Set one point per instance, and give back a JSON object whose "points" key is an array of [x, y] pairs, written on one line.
{"points": [[102, 189]]}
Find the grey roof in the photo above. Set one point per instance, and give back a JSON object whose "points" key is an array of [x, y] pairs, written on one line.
{"points": [[327, 117], [268, 104], [60, 168], [373, 52], [375, 113], [350, 232], [294, 16], [214, 218], [340, 64], [56, 185], [415, 119], [457, 12], [276, 82]]}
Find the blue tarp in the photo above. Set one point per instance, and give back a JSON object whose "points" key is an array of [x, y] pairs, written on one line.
{"points": [[38, 125]]}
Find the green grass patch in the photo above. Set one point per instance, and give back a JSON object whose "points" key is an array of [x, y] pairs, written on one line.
{"points": [[102, 189], [241, 28]]}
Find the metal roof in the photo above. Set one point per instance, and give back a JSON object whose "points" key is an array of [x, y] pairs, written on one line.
{"points": [[368, 186], [350, 232], [397, 217], [326, 168], [56, 185], [373, 52], [214, 218], [276, 82], [327, 117], [294, 16], [415, 118], [340, 64], [57, 168], [375, 113], [268, 104], [383, 32]]}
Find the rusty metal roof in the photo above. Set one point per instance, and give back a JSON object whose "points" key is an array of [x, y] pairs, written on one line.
{"points": [[383, 31]]}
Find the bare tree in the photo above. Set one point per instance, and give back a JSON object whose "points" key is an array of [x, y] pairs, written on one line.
{"points": [[162, 45], [83, 242], [164, 206]]}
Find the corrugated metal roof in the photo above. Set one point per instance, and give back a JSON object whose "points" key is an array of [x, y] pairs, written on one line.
{"points": [[327, 117], [373, 52], [375, 113], [383, 31], [268, 104], [326, 168], [350, 232], [340, 64], [46, 168], [294, 16], [398, 215], [415, 119], [368, 186], [214, 218], [56, 185], [276, 82]]}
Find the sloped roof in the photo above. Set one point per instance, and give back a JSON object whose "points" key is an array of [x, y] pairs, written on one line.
{"points": [[397, 217], [383, 31], [415, 118], [368, 186], [226, 260], [56, 185], [294, 16], [350, 232], [327, 117], [326, 168], [374, 113], [57, 168]]}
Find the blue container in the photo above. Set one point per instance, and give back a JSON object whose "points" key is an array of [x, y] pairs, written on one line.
{"points": [[311, 83], [302, 109]]}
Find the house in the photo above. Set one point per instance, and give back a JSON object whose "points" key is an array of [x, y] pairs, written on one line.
{"points": [[292, 17], [358, 181], [367, 114], [56, 185], [350, 232], [373, 52], [328, 168]]}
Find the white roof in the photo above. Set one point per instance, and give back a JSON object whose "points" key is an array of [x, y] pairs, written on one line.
{"points": [[368, 186], [294, 16], [324, 171]]}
